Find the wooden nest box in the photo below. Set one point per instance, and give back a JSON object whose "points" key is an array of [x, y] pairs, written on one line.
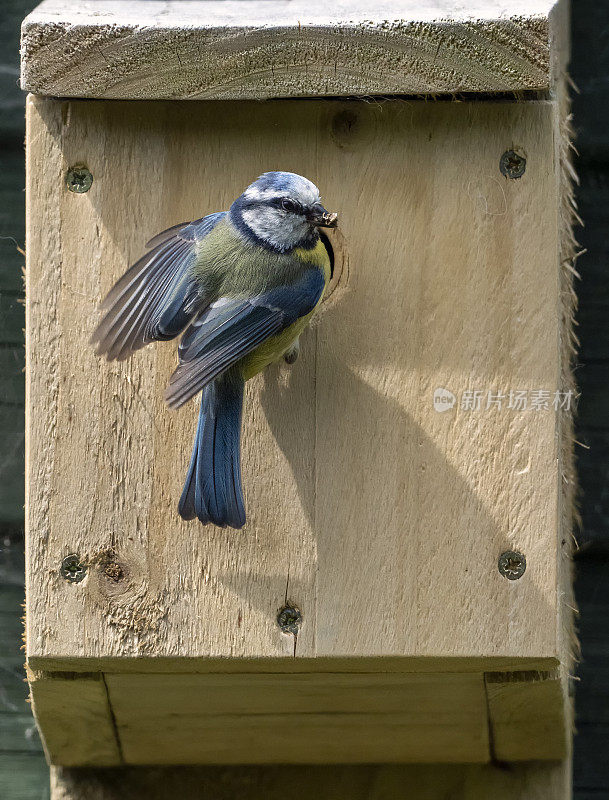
{"points": [[400, 592]]}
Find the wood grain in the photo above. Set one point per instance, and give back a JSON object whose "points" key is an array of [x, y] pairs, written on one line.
{"points": [[228, 50], [319, 718], [381, 518], [308, 718], [526, 716], [74, 714]]}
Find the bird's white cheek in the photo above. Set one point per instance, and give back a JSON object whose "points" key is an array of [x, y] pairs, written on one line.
{"points": [[276, 227]]}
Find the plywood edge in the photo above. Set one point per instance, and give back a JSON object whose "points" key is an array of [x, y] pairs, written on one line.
{"points": [[527, 718], [58, 663], [217, 49], [75, 719]]}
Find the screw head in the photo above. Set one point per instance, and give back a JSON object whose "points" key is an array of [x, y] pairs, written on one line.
{"points": [[289, 619], [512, 164], [79, 179], [72, 569], [512, 565]]}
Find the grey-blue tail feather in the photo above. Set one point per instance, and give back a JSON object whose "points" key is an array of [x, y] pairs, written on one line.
{"points": [[212, 491]]}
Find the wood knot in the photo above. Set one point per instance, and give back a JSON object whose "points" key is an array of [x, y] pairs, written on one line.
{"points": [[114, 576], [351, 128], [344, 126], [114, 571]]}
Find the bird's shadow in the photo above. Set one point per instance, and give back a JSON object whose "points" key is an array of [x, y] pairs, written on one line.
{"points": [[387, 507]]}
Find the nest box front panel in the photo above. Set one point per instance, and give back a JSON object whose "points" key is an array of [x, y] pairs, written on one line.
{"points": [[385, 472]]}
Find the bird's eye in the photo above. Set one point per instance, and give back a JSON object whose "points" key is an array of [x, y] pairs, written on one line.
{"points": [[288, 205]]}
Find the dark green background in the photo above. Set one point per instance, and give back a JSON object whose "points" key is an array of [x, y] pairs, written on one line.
{"points": [[23, 772]]}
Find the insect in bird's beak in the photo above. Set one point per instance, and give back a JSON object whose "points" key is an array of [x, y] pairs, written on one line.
{"points": [[318, 216]]}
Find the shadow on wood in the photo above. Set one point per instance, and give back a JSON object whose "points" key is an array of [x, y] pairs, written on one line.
{"points": [[533, 781]]}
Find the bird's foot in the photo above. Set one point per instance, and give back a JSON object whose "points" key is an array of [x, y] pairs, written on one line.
{"points": [[291, 355]]}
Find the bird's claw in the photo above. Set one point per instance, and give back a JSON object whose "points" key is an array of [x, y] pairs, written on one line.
{"points": [[291, 355]]}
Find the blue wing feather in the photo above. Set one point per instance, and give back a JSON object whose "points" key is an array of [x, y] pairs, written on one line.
{"points": [[158, 296], [233, 327]]}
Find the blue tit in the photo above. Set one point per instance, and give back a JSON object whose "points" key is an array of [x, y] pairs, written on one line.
{"points": [[241, 286]]}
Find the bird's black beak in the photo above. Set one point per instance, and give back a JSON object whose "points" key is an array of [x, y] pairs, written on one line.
{"points": [[318, 216]]}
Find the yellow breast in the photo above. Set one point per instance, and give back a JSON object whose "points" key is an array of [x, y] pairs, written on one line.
{"points": [[274, 348], [317, 256]]}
